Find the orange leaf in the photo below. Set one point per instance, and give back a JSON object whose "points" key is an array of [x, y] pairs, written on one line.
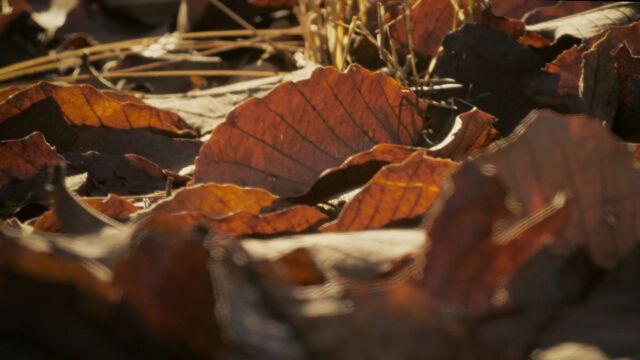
{"points": [[294, 219], [215, 200], [354, 172], [627, 120], [398, 192], [113, 206], [83, 105], [284, 141], [471, 131], [551, 153], [470, 257]]}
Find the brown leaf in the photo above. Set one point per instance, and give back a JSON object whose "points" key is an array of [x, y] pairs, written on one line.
{"points": [[23, 166], [558, 10], [354, 172], [167, 262], [113, 206], [431, 21], [589, 23], [626, 123], [298, 267], [398, 192], [599, 83], [283, 142], [8, 91], [472, 130], [127, 174], [39, 258], [295, 219], [476, 244], [83, 105], [215, 200], [552, 153]]}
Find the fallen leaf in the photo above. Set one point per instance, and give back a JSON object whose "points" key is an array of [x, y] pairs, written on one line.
{"points": [[83, 105], [112, 206], [283, 142], [625, 123], [558, 10], [552, 153], [23, 168], [398, 192], [431, 20], [129, 174], [589, 23], [493, 67], [472, 130], [215, 200], [295, 219], [166, 262], [8, 91], [476, 244], [354, 172], [599, 85]]}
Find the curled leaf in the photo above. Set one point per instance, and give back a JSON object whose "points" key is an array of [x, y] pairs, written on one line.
{"points": [[83, 105], [398, 192], [472, 130]]}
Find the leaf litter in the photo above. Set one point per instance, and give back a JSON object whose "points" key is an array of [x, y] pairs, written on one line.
{"points": [[348, 212]]}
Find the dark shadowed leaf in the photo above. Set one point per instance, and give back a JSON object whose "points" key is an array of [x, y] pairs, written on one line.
{"points": [[113, 206], [23, 169], [514, 8], [167, 261], [626, 122], [552, 153], [285, 140], [477, 245], [492, 66], [398, 192]]}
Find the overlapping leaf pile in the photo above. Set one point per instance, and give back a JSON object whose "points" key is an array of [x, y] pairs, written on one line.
{"points": [[478, 247]]}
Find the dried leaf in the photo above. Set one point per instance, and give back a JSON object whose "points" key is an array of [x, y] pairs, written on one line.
{"points": [[167, 262], [23, 167], [472, 130], [283, 142], [514, 8], [295, 219], [296, 267], [82, 105], [354, 172], [431, 21], [589, 23], [558, 10], [113, 206], [626, 122], [599, 83], [477, 244], [586, 162], [123, 175], [493, 67], [215, 200], [398, 192]]}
